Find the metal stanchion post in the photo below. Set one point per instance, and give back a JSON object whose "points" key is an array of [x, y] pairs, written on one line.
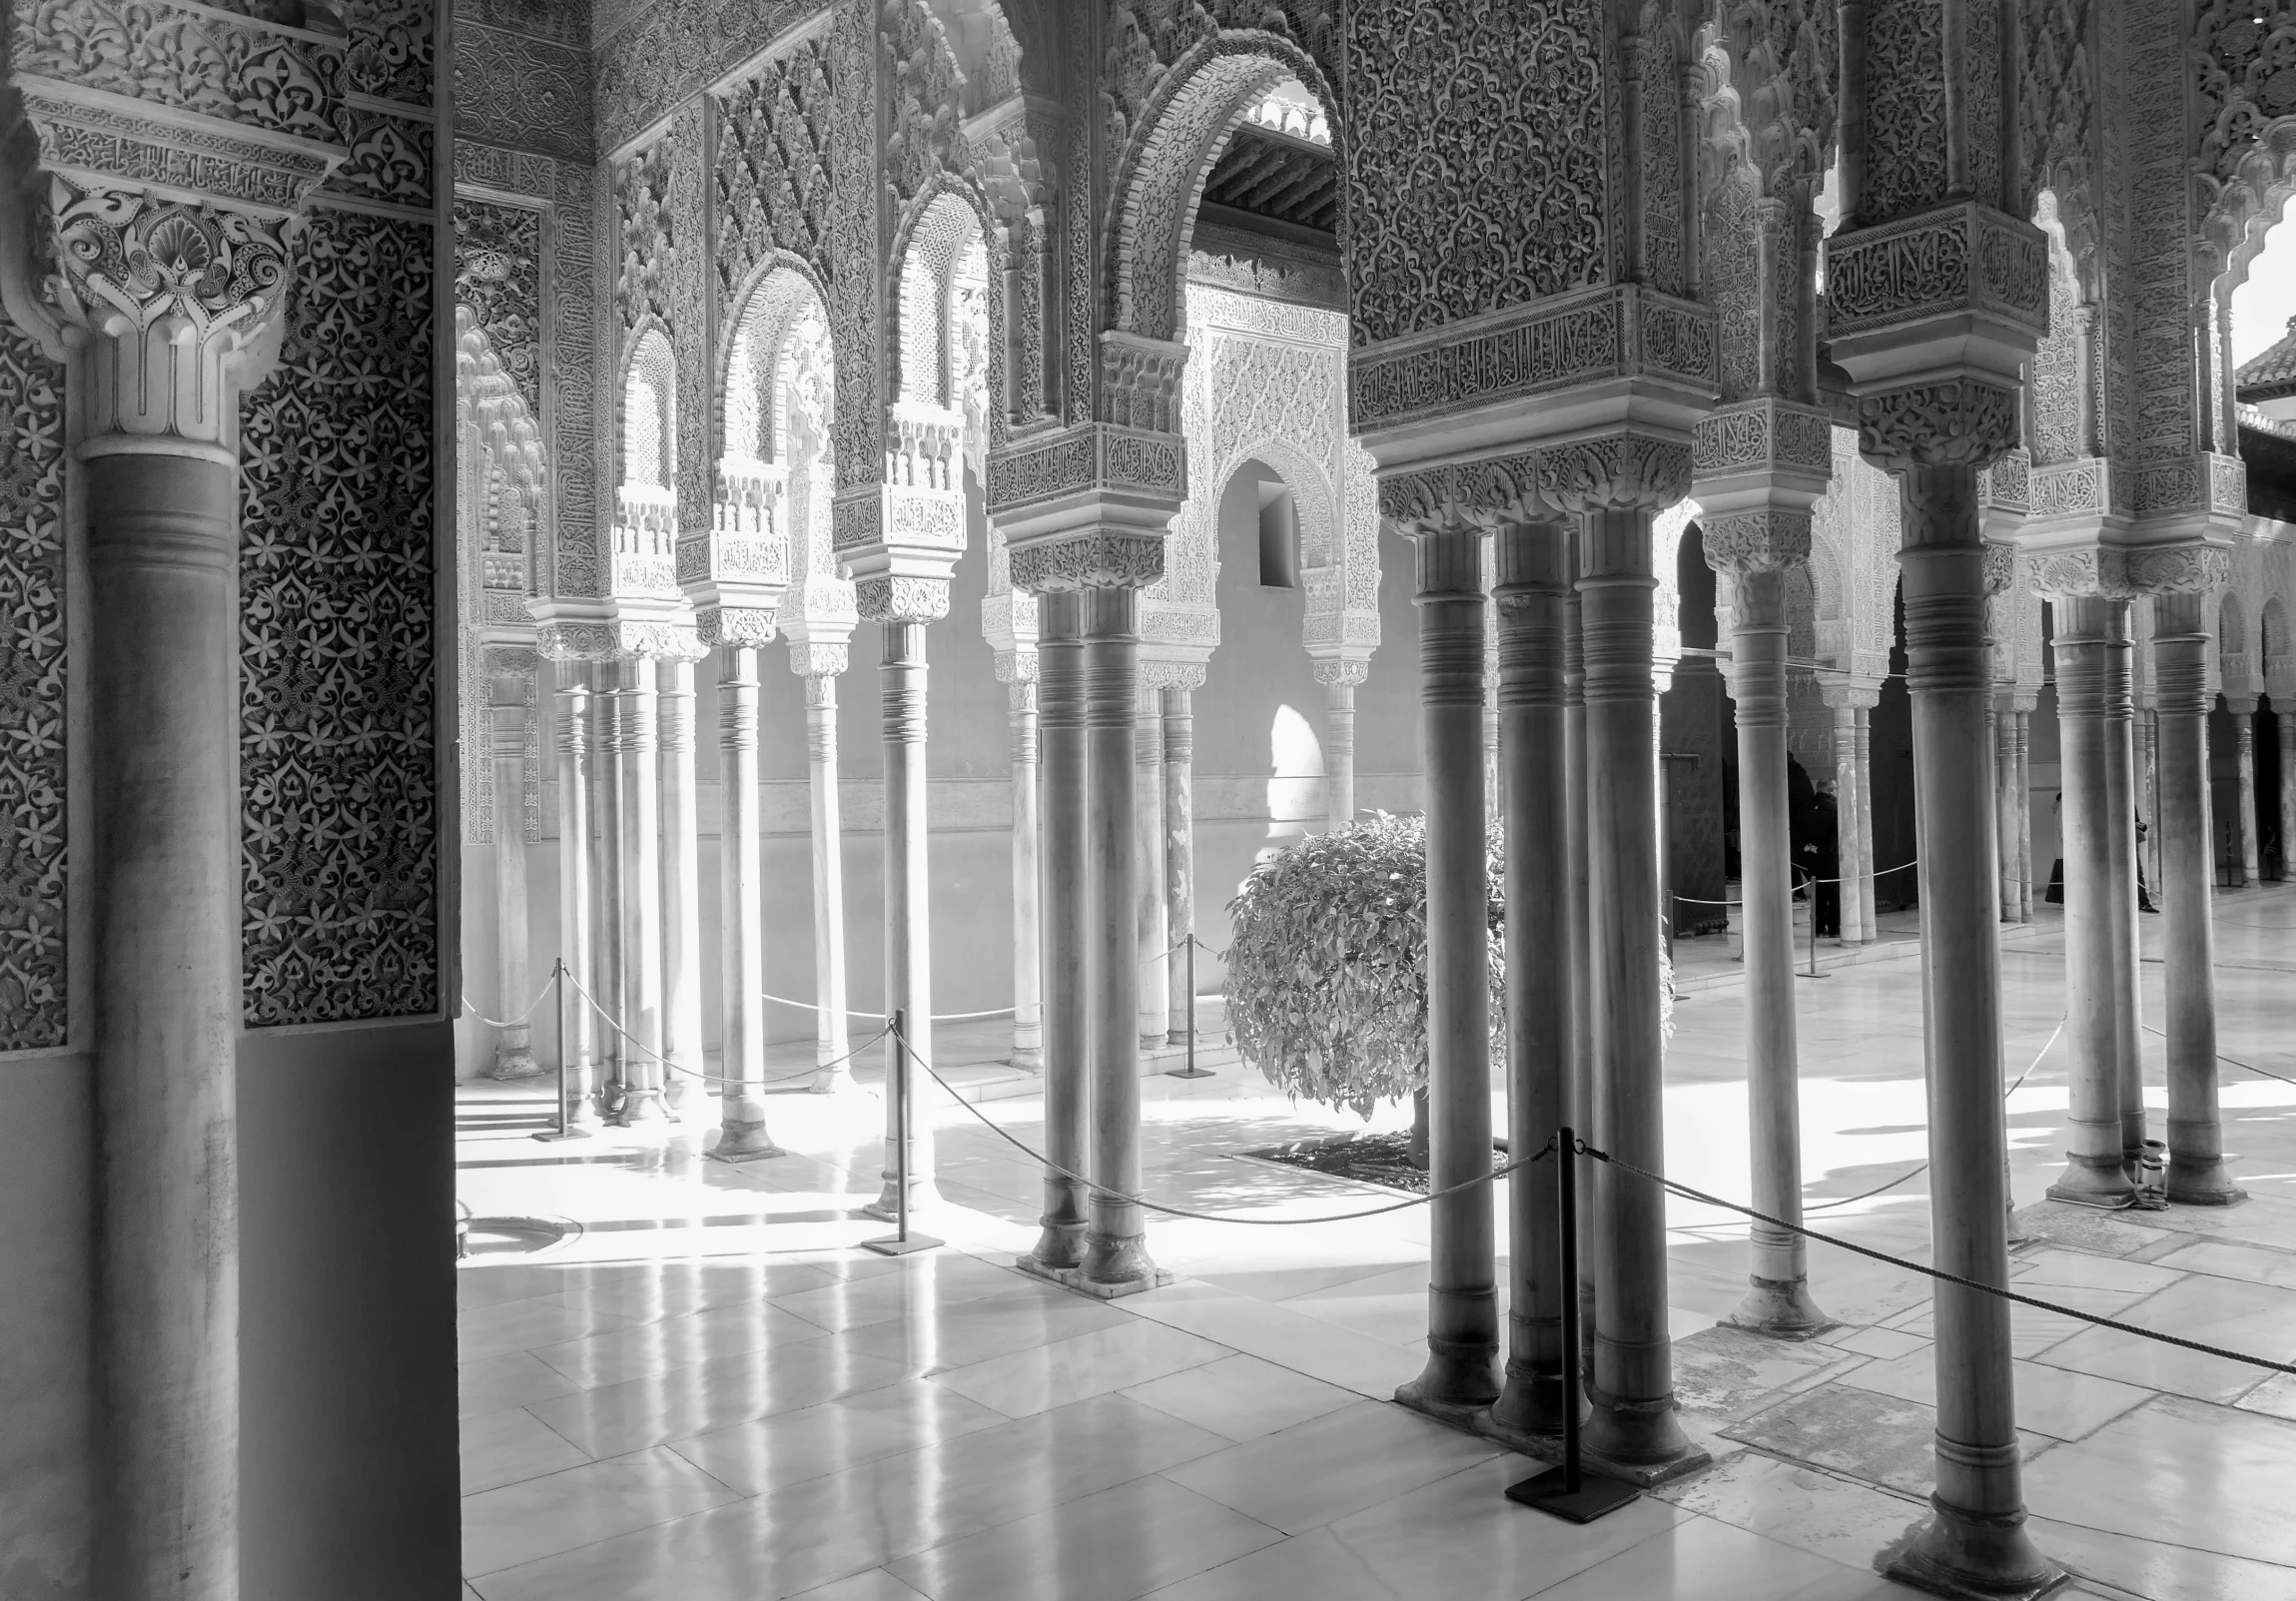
{"points": [[900, 1242], [1812, 973], [1190, 1070], [566, 1128], [1566, 1492]]}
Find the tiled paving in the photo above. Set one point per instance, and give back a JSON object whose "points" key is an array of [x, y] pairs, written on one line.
{"points": [[708, 1391]]}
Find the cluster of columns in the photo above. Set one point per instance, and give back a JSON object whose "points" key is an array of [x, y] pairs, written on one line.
{"points": [[2244, 853], [1853, 706]]}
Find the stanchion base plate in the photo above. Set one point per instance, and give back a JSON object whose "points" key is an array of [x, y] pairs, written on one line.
{"points": [[895, 1245], [570, 1133], [1188, 1073], [1589, 1501]]}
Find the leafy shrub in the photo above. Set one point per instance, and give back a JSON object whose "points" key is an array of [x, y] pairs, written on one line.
{"points": [[1327, 967]]}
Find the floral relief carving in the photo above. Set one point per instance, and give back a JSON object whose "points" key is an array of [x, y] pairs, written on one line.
{"points": [[772, 184], [391, 49], [516, 90], [33, 774], [1905, 129], [230, 68], [498, 276], [340, 805], [670, 48]]}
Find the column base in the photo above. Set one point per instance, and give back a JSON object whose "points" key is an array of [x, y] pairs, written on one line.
{"points": [[1118, 1267], [640, 1107], [887, 1206], [1176, 1039], [1028, 1061], [1531, 1403], [517, 1064], [1780, 1308], [1973, 1557], [2093, 1182], [2201, 1183], [1459, 1376], [1641, 1441], [830, 1081], [744, 1141], [1074, 1278]]}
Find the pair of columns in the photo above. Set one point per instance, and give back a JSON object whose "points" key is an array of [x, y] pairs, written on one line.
{"points": [[2013, 780], [1853, 708], [2247, 848], [1164, 830], [2106, 1117], [1581, 1048], [1089, 698]]}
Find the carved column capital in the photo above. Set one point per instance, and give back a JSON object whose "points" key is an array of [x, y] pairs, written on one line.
{"points": [[813, 659], [1744, 544], [2094, 571], [1332, 671], [1961, 422]]}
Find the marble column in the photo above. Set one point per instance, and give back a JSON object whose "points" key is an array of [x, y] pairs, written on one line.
{"points": [[2121, 857], [2285, 705], [575, 886], [1338, 679], [1462, 1294], [2096, 1171], [1067, 929], [820, 667], [513, 1044], [1978, 1523], [1868, 913], [2005, 822], [1154, 993], [638, 787], [1028, 944], [609, 953], [681, 884], [1757, 549], [2244, 769], [1533, 575], [162, 682], [1850, 818], [1581, 1106], [1116, 1249], [741, 913], [1179, 852], [2181, 643], [2024, 788], [908, 907], [1633, 1422]]}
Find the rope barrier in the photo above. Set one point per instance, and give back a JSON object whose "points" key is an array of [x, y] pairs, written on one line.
{"points": [[1800, 884], [1212, 1216], [717, 1077], [495, 1022], [942, 1016], [1700, 1196], [2235, 1061]]}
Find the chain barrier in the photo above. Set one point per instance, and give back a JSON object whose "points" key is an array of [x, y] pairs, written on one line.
{"points": [[1051, 1166], [1938, 1274], [718, 1078]]}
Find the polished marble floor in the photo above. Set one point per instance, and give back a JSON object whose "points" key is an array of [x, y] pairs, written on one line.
{"points": [[708, 1390]]}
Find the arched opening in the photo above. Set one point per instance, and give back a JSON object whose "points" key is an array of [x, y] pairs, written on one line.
{"points": [[1699, 756], [645, 496]]}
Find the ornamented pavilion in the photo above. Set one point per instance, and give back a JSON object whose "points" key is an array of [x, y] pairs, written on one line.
{"points": [[483, 490]]}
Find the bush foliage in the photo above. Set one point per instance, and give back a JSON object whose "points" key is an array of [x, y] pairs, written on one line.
{"points": [[1328, 969]]}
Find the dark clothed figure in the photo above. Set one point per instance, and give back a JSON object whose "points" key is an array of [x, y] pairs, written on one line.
{"points": [[2143, 892], [1826, 858], [1800, 822]]}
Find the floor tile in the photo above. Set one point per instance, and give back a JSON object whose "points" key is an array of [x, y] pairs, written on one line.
{"points": [[1456, 1539], [1877, 1438], [641, 1350], [1278, 1334], [1106, 1359], [506, 1446], [1333, 1465], [1886, 1343], [818, 1440], [1243, 1397], [542, 1517], [2079, 1270], [513, 1378], [2276, 1397], [2255, 1318], [2153, 1569], [875, 1585], [489, 1286], [619, 1419], [932, 1339], [2176, 1468], [1699, 1559], [939, 1280], [2055, 1402], [519, 1325], [1113, 1546], [1814, 1511], [2227, 1260], [1720, 1371]]}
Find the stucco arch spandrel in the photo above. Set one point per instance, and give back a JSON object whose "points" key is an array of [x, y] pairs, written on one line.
{"points": [[1195, 105], [930, 222], [769, 297]]}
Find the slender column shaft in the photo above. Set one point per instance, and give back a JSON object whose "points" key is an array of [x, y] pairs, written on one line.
{"points": [[2120, 861], [1633, 1418], [1868, 914], [608, 707], [1462, 1295], [1179, 853], [1533, 574], [2285, 706], [1154, 993], [641, 902], [741, 909], [1028, 944], [908, 906], [1852, 824], [515, 1044], [2025, 817], [1067, 922], [164, 884], [1581, 1109], [2005, 803], [681, 884], [1116, 1251], [2181, 642], [832, 1037], [1778, 1295], [2244, 768], [2094, 1163], [1339, 753], [575, 884], [1980, 1501], [2148, 730]]}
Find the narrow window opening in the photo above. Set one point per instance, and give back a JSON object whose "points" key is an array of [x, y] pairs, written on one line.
{"points": [[1279, 537]]}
